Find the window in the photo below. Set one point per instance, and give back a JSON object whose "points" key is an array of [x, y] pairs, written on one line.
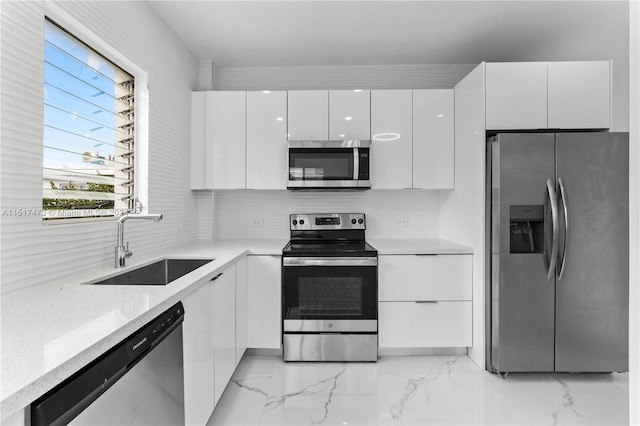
{"points": [[88, 154]]}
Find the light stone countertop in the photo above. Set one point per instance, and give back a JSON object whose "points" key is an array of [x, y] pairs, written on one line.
{"points": [[418, 246], [50, 332]]}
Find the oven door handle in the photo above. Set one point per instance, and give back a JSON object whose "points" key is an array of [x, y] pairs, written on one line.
{"points": [[329, 261]]}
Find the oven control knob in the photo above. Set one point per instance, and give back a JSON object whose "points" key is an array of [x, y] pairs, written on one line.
{"points": [[353, 221], [360, 221], [295, 222], [301, 221]]}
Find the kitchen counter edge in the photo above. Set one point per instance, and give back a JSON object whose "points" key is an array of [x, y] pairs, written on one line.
{"points": [[409, 246], [23, 385]]}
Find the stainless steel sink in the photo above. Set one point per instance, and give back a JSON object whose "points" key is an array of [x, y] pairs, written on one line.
{"points": [[161, 272]]}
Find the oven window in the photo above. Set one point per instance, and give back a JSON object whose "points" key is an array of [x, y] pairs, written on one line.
{"points": [[330, 297], [330, 292], [320, 164]]}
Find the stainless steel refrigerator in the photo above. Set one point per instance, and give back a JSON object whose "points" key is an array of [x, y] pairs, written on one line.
{"points": [[558, 252]]}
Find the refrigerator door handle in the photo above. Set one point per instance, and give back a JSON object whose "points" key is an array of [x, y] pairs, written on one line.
{"points": [[566, 227], [554, 229]]}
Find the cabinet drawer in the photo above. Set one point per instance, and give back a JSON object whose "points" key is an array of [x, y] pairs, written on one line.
{"points": [[424, 278], [424, 325]]}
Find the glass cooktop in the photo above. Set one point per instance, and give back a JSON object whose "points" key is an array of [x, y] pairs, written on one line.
{"points": [[329, 249]]}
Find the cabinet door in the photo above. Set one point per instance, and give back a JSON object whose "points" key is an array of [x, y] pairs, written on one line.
{"points": [[391, 135], [308, 115], [225, 135], [241, 308], [425, 278], [579, 94], [516, 95], [349, 114], [224, 330], [264, 290], [266, 140], [198, 352], [425, 325], [433, 139], [201, 175]]}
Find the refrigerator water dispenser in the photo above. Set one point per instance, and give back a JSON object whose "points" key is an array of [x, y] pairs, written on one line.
{"points": [[526, 234]]}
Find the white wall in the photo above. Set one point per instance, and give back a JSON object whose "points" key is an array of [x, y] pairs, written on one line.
{"points": [[427, 76], [32, 253]]}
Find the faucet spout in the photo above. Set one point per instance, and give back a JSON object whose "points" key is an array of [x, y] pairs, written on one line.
{"points": [[122, 251]]}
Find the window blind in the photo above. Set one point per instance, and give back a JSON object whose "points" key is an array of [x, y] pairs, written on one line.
{"points": [[88, 146]]}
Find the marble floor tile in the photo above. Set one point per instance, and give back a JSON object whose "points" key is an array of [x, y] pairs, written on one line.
{"points": [[415, 390]]}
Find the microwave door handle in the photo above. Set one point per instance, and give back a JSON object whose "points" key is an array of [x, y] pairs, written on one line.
{"points": [[356, 163]]}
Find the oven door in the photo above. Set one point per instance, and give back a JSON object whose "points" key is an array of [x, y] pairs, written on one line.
{"points": [[330, 294]]}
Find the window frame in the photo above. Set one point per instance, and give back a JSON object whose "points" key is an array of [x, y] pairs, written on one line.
{"points": [[77, 29]]}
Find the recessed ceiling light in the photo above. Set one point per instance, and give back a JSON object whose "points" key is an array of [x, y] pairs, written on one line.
{"points": [[357, 90], [266, 91], [348, 118]]}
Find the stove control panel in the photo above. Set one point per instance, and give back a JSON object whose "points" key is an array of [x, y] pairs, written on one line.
{"points": [[319, 221]]}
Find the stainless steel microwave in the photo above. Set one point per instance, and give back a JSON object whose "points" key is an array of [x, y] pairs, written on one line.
{"points": [[329, 165]]}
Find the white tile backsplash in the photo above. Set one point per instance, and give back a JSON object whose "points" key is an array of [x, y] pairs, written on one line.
{"points": [[236, 211]]}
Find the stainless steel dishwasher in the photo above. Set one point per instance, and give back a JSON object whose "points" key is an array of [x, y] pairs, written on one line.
{"points": [[138, 382]]}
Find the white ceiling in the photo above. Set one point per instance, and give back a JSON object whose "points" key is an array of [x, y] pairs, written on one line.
{"points": [[314, 33]]}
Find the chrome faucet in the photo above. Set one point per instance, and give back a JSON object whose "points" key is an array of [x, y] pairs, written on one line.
{"points": [[122, 251]]}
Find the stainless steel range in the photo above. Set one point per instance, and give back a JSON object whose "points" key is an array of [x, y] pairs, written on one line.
{"points": [[329, 289]]}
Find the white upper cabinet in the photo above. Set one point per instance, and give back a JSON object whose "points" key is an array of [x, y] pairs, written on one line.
{"points": [[225, 135], [516, 95], [391, 136], [266, 140], [308, 115], [433, 139], [579, 94], [548, 95], [349, 114], [412, 136]]}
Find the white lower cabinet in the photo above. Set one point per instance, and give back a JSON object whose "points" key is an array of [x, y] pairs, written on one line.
{"points": [[424, 277], [198, 354], [425, 301], [209, 345], [424, 324], [241, 308], [224, 330], [264, 317]]}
